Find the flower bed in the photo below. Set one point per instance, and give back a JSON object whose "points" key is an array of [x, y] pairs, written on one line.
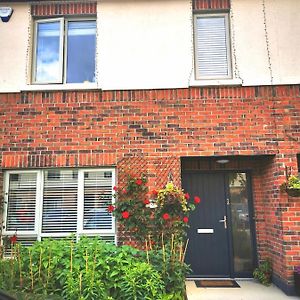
{"points": [[92, 269]]}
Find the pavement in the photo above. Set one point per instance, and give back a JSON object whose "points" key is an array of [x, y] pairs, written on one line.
{"points": [[249, 290]]}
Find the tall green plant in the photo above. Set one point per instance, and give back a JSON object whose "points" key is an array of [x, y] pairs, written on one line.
{"points": [[141, 282], [93, 269]]}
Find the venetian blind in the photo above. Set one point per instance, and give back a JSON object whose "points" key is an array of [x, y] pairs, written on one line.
{"points": [[60, 201], [211, 47], [97, 197], [21, 202]]}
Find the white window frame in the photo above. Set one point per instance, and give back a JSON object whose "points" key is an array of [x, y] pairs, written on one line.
{"points": [[62, 51], [37, 233], [228, 46]]}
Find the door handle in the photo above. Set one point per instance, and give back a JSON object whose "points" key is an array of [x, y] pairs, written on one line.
{"points": [[224, 221]]}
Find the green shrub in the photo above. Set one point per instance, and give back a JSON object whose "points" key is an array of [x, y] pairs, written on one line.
{"points": [[93, 269], [141, 282], [263, 273]]}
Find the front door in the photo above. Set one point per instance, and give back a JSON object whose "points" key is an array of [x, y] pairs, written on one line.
{"points": [[221, 233]]}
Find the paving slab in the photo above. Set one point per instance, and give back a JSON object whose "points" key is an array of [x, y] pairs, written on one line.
{"points": [[249, 290]]}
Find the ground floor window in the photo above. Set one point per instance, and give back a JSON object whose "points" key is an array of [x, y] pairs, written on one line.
{"points": [[57, 203]]}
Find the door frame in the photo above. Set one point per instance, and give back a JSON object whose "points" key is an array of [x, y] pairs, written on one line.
{"points": [[226, 172]]}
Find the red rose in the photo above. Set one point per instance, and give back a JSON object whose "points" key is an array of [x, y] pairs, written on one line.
{"points": [[139, 182], [187, 196], [166, 216], [197, 199], [125, 214], [146, 201], [115, 188], [13, 239], [110, 208], [154, 193], [124, 191], [185, 219]]}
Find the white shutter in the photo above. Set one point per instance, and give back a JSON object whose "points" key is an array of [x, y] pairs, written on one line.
{"points": [[211, 43], [97, 197], [60, 201], [20, 215]]}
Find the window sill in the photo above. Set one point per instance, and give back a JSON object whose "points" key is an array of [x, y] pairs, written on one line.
{"points": [[60, 87], [216, 82]]}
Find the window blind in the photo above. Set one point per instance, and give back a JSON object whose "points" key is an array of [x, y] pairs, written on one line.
{"points": [[21, 202], [211, 47], [97, 197], [60, 201]]}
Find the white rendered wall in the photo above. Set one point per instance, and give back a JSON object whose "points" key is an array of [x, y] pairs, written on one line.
{"points": [[148, 44], [283, 34], [144, 44], [13, 48], [284, 27]]}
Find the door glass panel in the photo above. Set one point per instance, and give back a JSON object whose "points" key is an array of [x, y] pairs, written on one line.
{"points": [[241, 234]]}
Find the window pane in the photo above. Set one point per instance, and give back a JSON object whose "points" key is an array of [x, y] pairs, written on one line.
{"points": [[97, 197], [48, 65], [211, 47], [241, 233], [21, 202], [81, 51], [60, 202]]}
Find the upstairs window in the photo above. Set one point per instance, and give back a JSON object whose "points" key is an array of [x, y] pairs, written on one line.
{"points": [[212, 49], [64, 51]]}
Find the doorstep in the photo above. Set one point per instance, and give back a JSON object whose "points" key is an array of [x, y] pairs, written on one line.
{"points": [[249, 290]]}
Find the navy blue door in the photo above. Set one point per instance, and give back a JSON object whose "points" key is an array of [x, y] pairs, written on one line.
{"points": [[208, 249]]}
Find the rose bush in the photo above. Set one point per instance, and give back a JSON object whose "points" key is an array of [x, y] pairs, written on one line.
{"points": [[154, 214]]}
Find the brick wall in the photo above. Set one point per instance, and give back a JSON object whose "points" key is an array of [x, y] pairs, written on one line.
{"points": [[58, 9], [90, 7], [148, 131], [211, 4], [43, 129]]}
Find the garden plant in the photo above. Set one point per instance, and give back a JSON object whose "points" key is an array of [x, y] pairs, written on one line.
{"points": [[263, 273], [93, 269]]}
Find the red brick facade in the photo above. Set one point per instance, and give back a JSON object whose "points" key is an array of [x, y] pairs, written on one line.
{"points": [[211, 4], [87, 8], [57, 9], [149, 131]]}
